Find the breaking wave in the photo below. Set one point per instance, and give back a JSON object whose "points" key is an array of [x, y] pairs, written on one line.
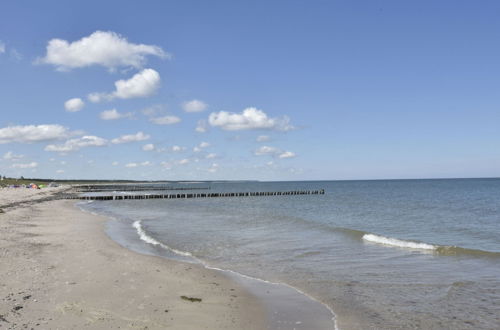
{"points": [[444, 250], [397, 242], [148, 239]]}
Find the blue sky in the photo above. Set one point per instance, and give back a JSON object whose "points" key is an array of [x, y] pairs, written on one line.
{"points": [[281, 90]]}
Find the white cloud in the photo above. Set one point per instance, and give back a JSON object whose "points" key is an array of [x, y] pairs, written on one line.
{"points": [[201, 126], [213, 168], [130, 165], [266, 150], [107, 49], [263, 138], [148, 147], [9, 155], [287, 154], [2, 47], [142, 84], [76, 144], [166, 120], [63, 162], [60, 171], [194, 106], [178, 148], [74, 104], [201, 146], [204, 145], [272, 151], [183, 161], [211, 156], [113, 114], [115, 163], [250, 118], [28, 165], [32, 133], [139, 136]]}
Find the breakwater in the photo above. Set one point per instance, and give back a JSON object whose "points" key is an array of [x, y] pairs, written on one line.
{"points": [[197, 195]]}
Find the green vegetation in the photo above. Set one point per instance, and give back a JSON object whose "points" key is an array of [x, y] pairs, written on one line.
{"points": [[11, 181]]}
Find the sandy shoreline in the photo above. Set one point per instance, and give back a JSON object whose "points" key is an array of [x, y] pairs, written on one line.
{"points": [[59, 270]]}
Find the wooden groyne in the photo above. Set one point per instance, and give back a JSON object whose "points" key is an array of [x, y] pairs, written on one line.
{"points": [[133, 188], [198, 195]]}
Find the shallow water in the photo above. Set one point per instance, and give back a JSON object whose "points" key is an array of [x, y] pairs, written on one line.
{"points": [[382, 254]]}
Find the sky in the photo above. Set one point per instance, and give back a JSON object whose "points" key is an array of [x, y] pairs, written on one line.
{"points": [[250, 90]]}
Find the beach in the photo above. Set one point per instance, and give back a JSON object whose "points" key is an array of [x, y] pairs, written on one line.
{"points": [[59, 270]]}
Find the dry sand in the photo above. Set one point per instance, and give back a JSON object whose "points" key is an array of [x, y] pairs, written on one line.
{"points": [[59, 270]]}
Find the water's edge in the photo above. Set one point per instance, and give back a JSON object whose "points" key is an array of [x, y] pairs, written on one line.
{"points": [[288, 307]]}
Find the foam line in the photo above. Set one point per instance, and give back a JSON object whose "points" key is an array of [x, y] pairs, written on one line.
{"points": [[397, 242]]}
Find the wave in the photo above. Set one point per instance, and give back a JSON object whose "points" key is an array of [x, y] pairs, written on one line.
{"points": [[443, 250], [148, 239], [397, 242]]}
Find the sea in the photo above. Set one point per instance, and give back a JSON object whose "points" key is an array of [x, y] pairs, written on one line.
{"points": [[379, 254]]}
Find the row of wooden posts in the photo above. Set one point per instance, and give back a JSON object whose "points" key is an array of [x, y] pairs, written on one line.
{"points": [[199, 195], [131, 188]]}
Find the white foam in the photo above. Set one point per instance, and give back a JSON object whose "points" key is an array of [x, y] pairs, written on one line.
{"points": [[148, 239], [397, 242]]}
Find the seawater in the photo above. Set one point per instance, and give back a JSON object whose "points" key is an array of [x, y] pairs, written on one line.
{"points": [[385, 254]]}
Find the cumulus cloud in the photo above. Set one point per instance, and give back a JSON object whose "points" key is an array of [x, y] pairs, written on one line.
{"points": [[177, 148], [266, 150], [250, 118], [27, 165], [148, 147], [139, 136], [32, 133], [74, 104], [165, 120], [77, 144], [9, 155], [272, 151], [194, 106], [60, 171], [104, 48], [2, 47], [211, 156], [287, 154], [204, 144], [142, 84], [183, 161], [201, 146], [201, 126], [113, 114], [263, 138], [115, 163], [131, 165]]}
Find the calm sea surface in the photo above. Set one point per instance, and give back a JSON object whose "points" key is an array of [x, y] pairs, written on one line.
{"points": [[395, 254]]}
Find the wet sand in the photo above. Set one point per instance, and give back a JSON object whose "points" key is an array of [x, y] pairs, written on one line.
{"points": [[59, 270]]}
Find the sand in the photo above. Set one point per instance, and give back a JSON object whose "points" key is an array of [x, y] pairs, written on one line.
{"points": [[59, 270]]}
